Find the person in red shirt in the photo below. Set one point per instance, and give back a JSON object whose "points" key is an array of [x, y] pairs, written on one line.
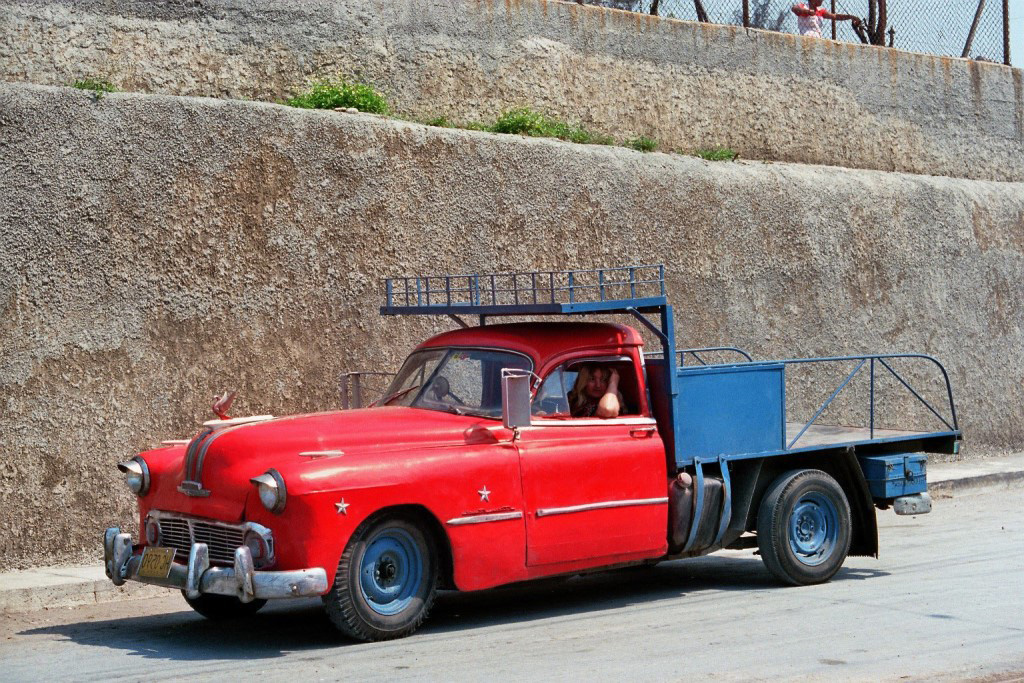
{"points": [[810, 15]]}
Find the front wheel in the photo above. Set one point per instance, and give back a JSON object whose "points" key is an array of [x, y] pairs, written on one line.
{"points": [[386, 580], [803, 527]]}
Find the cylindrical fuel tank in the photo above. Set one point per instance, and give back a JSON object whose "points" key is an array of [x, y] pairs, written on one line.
{"points": [[681, 502], [680, 511]]}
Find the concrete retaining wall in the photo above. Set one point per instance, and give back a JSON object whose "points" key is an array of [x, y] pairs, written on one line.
{"points": [[155, 250], [766, 95]]}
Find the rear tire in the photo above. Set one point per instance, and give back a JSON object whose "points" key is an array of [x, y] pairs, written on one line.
{"points": [[386, 580], [223, 607], [803, 527]]}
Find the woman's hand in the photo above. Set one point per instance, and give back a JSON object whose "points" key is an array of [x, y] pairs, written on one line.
{"points": [[609, 406]]}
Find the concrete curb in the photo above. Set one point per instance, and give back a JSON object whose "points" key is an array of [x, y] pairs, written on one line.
{"points": [[48, 587], [996, 480], [53, 587]]}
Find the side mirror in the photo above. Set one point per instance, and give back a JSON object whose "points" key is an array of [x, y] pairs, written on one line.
{"points": [[515, 397]]}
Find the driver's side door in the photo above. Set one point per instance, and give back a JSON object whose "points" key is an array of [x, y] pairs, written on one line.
{"points": [[595, 490]]}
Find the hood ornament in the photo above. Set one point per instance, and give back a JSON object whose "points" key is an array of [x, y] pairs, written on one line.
{"points": [[222, 404]]}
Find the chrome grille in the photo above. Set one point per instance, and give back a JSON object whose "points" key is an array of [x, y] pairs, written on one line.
{"points": [[181, 532]]}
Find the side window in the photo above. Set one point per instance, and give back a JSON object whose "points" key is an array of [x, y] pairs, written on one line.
{"points": [[552, 397], [555, 396]]}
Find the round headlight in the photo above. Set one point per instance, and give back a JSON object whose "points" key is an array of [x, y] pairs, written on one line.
{"points": [[136, 475], [270, 487]]}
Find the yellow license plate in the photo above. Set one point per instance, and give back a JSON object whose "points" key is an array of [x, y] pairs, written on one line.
{"points": [[156, 562]]}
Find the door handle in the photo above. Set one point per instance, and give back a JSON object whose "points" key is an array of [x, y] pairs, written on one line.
{"points": [[642, 432]]}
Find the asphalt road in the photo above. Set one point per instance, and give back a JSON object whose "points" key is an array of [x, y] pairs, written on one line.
{"points": [[944, 601]]}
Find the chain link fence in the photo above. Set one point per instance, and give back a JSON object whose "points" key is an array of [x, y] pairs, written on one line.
{"points": [[958, 28]]}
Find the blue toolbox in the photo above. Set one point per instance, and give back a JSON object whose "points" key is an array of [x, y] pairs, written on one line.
{"points": [[894, 475]]}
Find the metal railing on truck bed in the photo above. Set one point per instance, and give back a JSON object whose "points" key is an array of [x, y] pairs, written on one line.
{"points": [[598, 290], [736, 411], [696, 354]]}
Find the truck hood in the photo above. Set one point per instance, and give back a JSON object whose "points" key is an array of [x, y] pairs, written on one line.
{"points": [[228, 458]]}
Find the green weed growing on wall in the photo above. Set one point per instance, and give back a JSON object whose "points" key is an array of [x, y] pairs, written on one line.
{"points": [[717, 154], [641, 144], [97, 86], [339, 93], [525, 121]]}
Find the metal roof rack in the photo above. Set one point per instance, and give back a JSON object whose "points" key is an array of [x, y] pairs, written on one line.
{"points": [[600, 290]]}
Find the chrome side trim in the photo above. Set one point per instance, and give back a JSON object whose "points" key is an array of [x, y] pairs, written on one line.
{"points": [[321, 454], [547, 512], [591, 422], [235, 421], [480, 519]]}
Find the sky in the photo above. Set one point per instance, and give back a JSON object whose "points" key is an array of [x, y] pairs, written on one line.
{"points": [[1017, 32]]}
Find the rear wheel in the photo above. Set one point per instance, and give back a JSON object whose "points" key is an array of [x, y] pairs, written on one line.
{"points": [[803, 527], [223, 607], [386, 580]]}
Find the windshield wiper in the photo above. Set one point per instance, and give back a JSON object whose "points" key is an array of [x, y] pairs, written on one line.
{"points": [[454, 409]]}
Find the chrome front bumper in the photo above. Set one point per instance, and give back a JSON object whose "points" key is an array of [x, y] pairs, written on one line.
{"points": [[198, 577]]}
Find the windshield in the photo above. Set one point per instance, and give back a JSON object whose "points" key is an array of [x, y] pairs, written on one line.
{"points": [[463, 381]]}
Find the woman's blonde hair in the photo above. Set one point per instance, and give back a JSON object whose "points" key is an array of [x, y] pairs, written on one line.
{"points": [[577, 396]]}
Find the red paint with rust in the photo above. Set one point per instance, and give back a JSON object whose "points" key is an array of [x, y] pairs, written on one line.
{"points": [[438, 463]]}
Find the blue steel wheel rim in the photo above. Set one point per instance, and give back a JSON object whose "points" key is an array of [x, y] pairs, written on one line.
{"points": [[813, 529], [391, 572]]}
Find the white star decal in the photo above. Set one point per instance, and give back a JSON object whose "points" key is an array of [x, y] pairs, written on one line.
{"points": [[342, 507], [485, 495]]}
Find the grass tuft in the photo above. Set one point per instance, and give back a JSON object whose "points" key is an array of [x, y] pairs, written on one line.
{"points": [[717, 154], [641, 144], [98, 86], [525, 121], [339, 93]]}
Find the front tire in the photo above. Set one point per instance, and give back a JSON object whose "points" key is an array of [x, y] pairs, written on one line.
{"points": [[803, 527], [386, 580]]}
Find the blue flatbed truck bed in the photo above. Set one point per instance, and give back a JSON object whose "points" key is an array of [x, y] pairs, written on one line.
{"points": [[746, 474]]}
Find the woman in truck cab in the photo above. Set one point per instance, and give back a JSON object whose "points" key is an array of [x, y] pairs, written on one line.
{"points": [[596, 392]]}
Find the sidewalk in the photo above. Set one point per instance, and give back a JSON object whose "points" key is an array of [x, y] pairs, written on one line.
{"points": [[47, 587]]}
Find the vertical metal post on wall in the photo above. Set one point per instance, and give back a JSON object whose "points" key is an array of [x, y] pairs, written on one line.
{"points": [[746, 13], [702, 15], [974, 29], [1006, 32], [833, 19]]}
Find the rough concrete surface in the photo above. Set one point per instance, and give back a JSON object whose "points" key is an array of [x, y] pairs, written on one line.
{"points": [[155, 250], [765, 95]]}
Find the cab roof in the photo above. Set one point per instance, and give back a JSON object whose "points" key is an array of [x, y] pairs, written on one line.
{"points": [[540, 340]]}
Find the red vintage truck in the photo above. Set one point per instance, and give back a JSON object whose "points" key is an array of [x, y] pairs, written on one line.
{"points": [[473, 470]]}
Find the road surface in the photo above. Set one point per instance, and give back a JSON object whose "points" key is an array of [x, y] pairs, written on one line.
{"points": [[944, 601]]}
